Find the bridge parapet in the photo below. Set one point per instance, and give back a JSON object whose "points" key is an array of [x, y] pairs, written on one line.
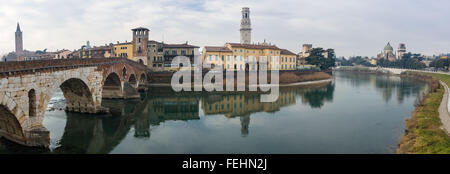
{"points": [[20, 67]]}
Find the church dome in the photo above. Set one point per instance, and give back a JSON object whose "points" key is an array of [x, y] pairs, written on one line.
{"points": [[388, 47]]}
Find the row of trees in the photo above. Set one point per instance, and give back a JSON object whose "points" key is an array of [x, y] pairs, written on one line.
{"points": [[408, 61], [440, 63], [317, 58], [358, 60]]}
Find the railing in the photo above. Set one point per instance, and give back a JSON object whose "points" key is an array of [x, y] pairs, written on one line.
{"points": [[11, 67]]}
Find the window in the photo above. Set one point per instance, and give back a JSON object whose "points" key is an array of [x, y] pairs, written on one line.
{"points": [[210, 58], [174, 52], [228, 58], [183, 52], [240, 57], [217, 58], [223, 57]]}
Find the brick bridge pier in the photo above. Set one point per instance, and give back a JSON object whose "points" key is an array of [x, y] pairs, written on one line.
{"points": [[26, 89]]}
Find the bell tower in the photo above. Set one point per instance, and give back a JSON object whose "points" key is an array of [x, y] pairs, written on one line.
{"points": [[246, 29], [140, 41], [19, 41]]}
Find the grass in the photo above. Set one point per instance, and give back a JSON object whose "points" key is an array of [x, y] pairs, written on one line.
{"points": [[424, 135], [290, 77]]}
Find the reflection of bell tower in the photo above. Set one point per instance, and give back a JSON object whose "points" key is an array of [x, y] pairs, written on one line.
{"points": [[142, 125], [245, 122]]}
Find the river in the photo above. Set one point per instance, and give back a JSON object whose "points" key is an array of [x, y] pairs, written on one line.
{"points": [[356, 113]]}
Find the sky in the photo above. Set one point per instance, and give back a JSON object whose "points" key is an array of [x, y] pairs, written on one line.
{"points": [[351, 27]]}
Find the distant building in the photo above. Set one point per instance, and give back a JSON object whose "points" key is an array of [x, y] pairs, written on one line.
{"points": [[61, 54], [306, 50], [236, 57], [93, 52], [401, 50], [373, 61], [161, 54], [288, 60], [173, 50], [388, 53], [123, 50]]}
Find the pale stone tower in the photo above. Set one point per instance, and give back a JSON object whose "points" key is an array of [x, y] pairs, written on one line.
{"points": [[401, 50], [19, 42], [246, 29]]}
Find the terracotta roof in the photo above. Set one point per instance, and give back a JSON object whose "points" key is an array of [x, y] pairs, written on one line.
{"points": [[286, 52], [179, 46], [253, 46], [217, 49]]}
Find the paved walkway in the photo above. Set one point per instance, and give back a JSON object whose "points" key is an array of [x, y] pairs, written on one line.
{"points": [[444, 110]]}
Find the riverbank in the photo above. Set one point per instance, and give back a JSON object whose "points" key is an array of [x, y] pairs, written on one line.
{"points": [[424, 132], [285, 79]]}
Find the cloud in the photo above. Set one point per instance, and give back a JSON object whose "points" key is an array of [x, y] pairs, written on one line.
{"points": [[351, 27]]}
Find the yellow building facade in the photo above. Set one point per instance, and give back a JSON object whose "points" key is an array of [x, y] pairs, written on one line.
{"points": [[124, 50], [236, 57], [288, 60]]}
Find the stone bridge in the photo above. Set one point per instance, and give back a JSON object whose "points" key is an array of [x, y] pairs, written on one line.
{"points": [[26, 89]]}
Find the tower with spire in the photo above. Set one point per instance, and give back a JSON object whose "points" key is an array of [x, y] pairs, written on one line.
{"points": [[19, 41], [246, 29]]}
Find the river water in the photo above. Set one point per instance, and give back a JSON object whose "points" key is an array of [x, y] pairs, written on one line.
{"points": [[356, 113]]}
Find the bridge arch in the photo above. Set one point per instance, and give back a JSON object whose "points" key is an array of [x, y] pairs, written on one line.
{"points": [[78, 96], [112, 86], [132, 80], [10, 126]]}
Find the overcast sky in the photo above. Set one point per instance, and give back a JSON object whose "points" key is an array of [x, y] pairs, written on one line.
{"points": [[351, 27]]}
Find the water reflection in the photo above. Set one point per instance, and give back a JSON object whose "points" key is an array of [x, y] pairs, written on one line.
{"points": [[347, 115], [385, 84], [93, 134]]}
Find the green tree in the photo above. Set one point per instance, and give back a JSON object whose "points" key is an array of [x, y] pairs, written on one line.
{"points": [[317, 58]]}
